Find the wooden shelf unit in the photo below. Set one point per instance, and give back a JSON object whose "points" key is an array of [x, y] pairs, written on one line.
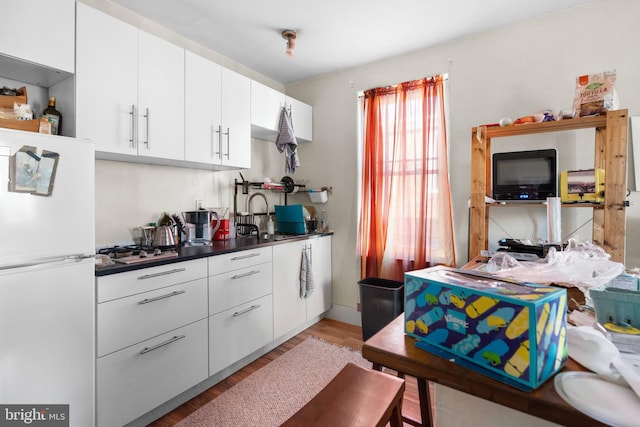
{"points": [[609, 221]]}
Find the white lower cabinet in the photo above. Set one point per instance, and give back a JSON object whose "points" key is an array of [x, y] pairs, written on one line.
{"points": [[152, 338], [290, 310], [238, 332], [240, 305], [162, 330], [137, 379]]}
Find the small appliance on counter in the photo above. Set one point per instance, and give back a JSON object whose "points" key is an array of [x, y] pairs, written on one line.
{"points": [[198, 226]]}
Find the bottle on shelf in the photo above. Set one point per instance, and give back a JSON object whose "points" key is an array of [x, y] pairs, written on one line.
{"points": [[270, 227], [53, 116], [323, 224]]}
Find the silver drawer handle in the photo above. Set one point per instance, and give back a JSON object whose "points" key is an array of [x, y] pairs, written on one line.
{"points": [[162, 273], [162, 344], [172, 294], [235, 258], [239, 276], [246, 310]]}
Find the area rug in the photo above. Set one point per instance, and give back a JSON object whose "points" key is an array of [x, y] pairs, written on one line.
{"points": [[271, 395]]}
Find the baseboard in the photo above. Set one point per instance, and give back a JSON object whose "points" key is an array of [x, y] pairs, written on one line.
{"points": [[345, 314]]}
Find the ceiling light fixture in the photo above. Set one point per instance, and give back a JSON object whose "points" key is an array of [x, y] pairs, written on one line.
{"points": [[290, 37]]}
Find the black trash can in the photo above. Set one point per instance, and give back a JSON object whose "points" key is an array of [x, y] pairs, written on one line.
{"points": [[381, 301]]}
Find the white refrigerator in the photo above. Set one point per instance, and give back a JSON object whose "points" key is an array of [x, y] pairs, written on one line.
{"points": [[47, 333]]}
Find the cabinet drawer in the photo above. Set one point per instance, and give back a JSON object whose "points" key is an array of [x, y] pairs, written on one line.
{"points": [[238, 332], [236, 260], [129, 320], [139, 378], [147, 279], [237, 287]]}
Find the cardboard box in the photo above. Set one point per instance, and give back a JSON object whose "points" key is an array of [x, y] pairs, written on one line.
{"points": [[512, 331]]}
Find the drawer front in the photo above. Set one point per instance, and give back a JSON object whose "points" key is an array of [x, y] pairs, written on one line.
{"points": [[238, 332], [237, 260], [134, 282], [137, 379], [126, 321], [237, 287]]}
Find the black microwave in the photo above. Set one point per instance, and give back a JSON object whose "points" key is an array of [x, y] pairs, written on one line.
{"points": [[525, 175]]}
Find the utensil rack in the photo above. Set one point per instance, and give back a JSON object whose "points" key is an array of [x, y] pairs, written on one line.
{"points": [[247, 186]]}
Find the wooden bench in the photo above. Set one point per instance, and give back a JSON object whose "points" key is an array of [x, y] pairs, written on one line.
{"points": [[356, 397]]}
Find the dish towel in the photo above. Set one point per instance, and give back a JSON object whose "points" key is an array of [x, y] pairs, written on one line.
{"points": [[286, 141], [307, 284]]}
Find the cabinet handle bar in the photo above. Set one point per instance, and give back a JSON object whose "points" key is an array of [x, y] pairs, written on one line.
{"points": [[250, 273], [162, 344], [246, 310], [172, 294], [236, 258], [162, 273]]}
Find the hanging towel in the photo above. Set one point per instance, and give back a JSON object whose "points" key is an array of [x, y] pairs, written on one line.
{"points": [[307, 285], [286, 141]]}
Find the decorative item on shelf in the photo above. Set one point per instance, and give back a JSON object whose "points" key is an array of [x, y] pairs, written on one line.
{"points": [[53, 116]]}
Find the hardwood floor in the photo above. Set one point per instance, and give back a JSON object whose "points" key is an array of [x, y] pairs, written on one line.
{"points": [[330, 330]]}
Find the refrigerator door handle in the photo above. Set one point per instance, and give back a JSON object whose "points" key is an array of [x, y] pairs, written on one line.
{"points": [[45, 261]]}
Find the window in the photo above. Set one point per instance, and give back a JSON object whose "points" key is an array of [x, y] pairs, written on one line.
{"points": [[405, 205]]}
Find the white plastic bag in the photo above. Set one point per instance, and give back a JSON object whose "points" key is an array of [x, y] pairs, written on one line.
{"points": [[583, 265]]}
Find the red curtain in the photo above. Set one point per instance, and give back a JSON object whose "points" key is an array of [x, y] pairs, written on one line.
{"points": [[405, 218]]}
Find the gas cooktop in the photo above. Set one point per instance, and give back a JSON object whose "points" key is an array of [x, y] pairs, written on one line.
{"points": [[134, 254]]}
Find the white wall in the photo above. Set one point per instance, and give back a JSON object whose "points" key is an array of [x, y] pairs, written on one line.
{"points": [[513, 71]]}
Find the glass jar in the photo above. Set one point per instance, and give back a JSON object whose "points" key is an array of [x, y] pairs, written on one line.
{"points": [[323, 223]]}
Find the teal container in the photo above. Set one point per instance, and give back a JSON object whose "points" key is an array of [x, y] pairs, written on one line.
{"points": [[290, 219]]}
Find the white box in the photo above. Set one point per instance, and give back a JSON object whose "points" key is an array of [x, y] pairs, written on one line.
{"points": [[318, 196]]}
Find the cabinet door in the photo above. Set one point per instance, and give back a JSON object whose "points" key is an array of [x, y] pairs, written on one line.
{"points": [[289, 310], [136, 379], [266, 104], [236, 333], [203, 84], [106, 81], [129, 320], [320, 300], [49, 39], [230, 289], [236, 119], [301, 119], [160, 98]]}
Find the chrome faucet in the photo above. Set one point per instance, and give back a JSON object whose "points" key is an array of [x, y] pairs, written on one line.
{"points": [[251, 198]]}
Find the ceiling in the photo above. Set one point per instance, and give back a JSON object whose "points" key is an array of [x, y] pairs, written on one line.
{"points": [[332, 34]]}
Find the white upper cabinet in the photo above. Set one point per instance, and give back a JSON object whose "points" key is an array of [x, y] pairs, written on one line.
{"points": [[106, 81], [129, 89], [203, 85], [217, 114], [40, 31], [301, 119], [236, 120], [160, 98], [266, 104]]}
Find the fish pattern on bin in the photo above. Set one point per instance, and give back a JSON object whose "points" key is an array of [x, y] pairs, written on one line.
{"points": [[489, 323]]}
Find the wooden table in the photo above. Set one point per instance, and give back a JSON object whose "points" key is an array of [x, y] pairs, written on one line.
{"points": [[393, 349]]}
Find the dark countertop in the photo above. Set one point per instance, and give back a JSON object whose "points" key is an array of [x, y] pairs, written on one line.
{"points": [[186, 253]]}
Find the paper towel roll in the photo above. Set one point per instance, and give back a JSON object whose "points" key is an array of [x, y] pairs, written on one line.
{"points": [[554, 220]]}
